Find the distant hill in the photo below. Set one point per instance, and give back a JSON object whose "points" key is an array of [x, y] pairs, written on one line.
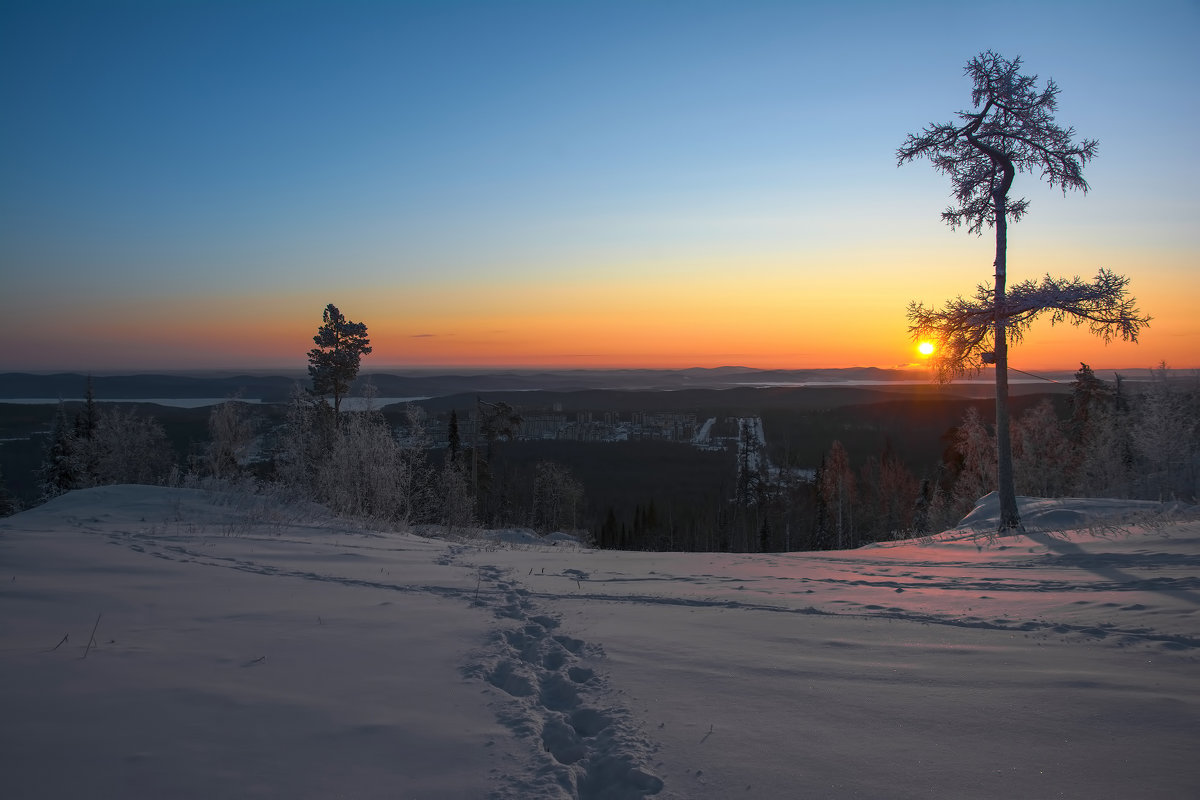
{"points": [[276, 388]]}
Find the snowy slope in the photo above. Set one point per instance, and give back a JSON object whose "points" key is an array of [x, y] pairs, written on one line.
{"points": [[246, 649]]}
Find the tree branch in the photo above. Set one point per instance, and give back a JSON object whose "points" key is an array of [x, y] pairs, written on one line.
{"points": [[963, 329]]}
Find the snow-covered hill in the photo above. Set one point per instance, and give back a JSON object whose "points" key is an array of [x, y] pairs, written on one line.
{"points": [[243, 648]]}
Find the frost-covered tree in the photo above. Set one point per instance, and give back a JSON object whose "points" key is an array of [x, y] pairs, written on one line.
{"points": [[132, 448], [1104, 455], [303, 439], [333, 363], [416, 483], [104, 447], [456, 495], [557, 497], [977, 448], [1042, 454], [360, 472], [231, 435], [1164, 437], [1010, 129], [354, 463]]}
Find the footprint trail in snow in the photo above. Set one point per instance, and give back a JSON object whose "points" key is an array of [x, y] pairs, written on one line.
{"points": [[547, 692]]}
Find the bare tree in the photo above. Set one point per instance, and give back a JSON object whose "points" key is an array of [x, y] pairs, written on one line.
{"points": [[557, 497], [838, 492], [1011, 129]]}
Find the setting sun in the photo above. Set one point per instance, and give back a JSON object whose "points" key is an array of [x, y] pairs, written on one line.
{"points": [[925, 348]]}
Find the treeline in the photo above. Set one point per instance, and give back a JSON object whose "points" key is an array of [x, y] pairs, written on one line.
{"points": [[104, 446], [1115, 439], [361, 463], [1110, 439]]}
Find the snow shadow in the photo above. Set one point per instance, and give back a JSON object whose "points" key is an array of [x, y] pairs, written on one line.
{"points": [[1105, 565]]}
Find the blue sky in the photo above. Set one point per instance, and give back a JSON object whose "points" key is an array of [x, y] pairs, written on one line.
{"points": [[171, 163]]}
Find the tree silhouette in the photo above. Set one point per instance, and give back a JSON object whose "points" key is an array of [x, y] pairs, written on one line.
{"points": [[333, 363], [1011, 129]]}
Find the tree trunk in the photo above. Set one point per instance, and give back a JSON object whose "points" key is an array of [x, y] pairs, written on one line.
{"points": [[1010, 518]]}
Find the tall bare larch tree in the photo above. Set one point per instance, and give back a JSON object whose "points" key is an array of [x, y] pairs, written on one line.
{"points": [[1010, 129]]}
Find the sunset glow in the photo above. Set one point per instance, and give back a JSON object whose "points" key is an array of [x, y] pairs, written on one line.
{"points": [[482, 194]]}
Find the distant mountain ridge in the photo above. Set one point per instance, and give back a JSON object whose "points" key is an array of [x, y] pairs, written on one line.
{"points": [[276, 388]]}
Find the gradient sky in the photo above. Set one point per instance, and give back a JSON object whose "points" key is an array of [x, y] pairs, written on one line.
{"points": [[584, 184]]}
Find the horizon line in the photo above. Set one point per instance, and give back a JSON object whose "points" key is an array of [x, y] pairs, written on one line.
{"points": [[450, 369]]}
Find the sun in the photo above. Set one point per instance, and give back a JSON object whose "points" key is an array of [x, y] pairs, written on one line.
{"points": [[925, 348]]}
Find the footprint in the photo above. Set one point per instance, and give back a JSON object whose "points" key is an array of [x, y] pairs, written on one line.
{"points": [[596, 755], [558, 694], [562, 742], [580, 674], [616, 776], [506, 678], [554, 659], [589, 721], [574, 645]]}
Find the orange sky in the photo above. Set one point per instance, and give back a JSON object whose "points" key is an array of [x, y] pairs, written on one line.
{"points": [[843, 315], [577, 185]]}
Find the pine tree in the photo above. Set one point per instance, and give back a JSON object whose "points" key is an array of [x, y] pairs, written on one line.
{"points": [[1088, 393], [59, 472], [333, 363], [87, 423], [8, 503], [454, 442], [609, 532]]}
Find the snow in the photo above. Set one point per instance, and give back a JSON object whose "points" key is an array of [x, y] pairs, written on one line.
{"points": [[247, 648]]}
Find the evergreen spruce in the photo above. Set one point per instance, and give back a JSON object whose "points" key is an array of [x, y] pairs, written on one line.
{"points": [[59, 472]]}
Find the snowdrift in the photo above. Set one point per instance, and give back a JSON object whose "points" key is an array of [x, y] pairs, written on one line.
{"points": [[179, 643]]}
